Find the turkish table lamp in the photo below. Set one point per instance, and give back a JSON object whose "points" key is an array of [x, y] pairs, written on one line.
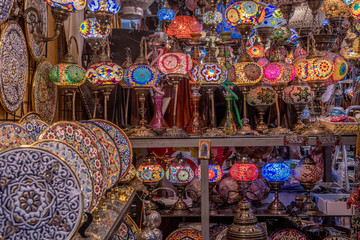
{"points": [[276, 172], [244, 172], [261, 97], [104, 11], [179, 173], [308, 174], [68, 75], [141, 77], [150, 173], [336, 11]]}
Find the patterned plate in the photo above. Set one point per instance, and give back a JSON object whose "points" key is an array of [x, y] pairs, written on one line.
{"points": [[127, 230], [30, 116], [5, 9], [110, 147], [336, 238], [222, 235], [78, 137], [289, 233], [34, 127], [40, 197], [74, 159], [122, 143], [14, 66], [13, 135], [185, 234], [44, 93], [216, 230]]}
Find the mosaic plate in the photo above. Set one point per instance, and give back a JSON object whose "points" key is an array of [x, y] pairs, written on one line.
{"points": [[110, 147], [34, 127], [289, 233], [37, 49], [30, 116], [222, 235], [40, 196], [185, 234], [216, 230], [78, 164], [44, 93], [336, 238], [127, 230], [5, 9], [13, 135], [79, 138], [122, 143], [13, 66]]}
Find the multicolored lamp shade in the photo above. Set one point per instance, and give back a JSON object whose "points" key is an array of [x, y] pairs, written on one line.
{"points": [[112, 6], [261, 96], [224, 26], [335, 8], [179, 172], [355, 9], [245, 73], [297, 94], [90, 28], [340, 68], [67, 5], [278, 73], [175, 63], [150, 173], [281, 34], [273, 17], [246, 172], [215, 173], [141, 76], [293, 39], [68, 75], [263, 61], [212, 18], [313, 70], [182, 26], [166, 14], [276, 172], [105, 73], [242, 12], [303, 18], [307, 171], [349, 53], [256, 51], [209, 74], [349, 2]]}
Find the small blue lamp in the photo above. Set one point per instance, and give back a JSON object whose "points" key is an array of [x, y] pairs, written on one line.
{"points": [[276, 172]]}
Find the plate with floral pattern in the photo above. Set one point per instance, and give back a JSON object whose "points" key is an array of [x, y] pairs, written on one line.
{"points": [[127, 230], [77, 137], [34, 127], [185, 234], [289, 233], [30, 116], [13, 135], [122, 143], [78, 164], [40, 196], [336, 238], [111, 149]]}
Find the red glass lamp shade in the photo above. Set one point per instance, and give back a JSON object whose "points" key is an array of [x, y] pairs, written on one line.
{"points": [[183, 26], [278, 73], [313, 70], [175, 63], [246, 172]]}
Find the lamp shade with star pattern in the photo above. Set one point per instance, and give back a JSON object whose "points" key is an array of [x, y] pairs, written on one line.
{"points": [[209, 74], [261, 96], [297, 94], [355, 9]]}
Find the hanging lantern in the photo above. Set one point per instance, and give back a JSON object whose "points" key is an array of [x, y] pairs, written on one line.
{"points": [[104, 73], [90, 28], [349, 53], [112, 6], [67, 5], [212, 18], [278, 73], [355, 9], [215, 173], [281, 34], [273, 17], [245, 12], [134, 9], [245, 73], [183, 26], [303, 18]]}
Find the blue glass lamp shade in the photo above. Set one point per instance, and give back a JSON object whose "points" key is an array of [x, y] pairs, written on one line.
{"points": [[112, 6], [141, 76], [67, 5], [166, 14], [273, 17], [276, 172]]}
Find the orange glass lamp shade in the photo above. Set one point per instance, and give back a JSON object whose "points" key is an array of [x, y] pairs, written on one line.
{"points": [[314, 70], [340, 67], [245, 73], [245, 12], [215, 173], [68, 75], [105, 73], [246, 172], [175, 63], [150, 173], [256, 51], [209, 73], [278, 73], [67, 5], [182, 26]]}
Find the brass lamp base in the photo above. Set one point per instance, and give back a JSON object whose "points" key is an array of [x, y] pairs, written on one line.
{"points": [[276, 206], [142, 131], [180, 208], [310, 207], [213, 132], [278, 131], [314, 129], [246, 130], [175, 132]]}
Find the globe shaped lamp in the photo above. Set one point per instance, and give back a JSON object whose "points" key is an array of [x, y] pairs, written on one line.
{"points": [[104, 11], [335, 11], [182, 26], [256, 51], [276, 172], [215, 173], [212, 19], [308, 173], [340, 67], [150, 173], [355, 9], [91, 32], [179, 173]]}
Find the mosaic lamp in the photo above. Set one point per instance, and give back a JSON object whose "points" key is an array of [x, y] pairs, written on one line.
{"points": [[166, 15], [355, 9], [91, 32], [150, 173], [335, 11], [179, 173], [308, 173], [287, 7], [182, 26], [104, 11], [276, 172], [340, 67]]}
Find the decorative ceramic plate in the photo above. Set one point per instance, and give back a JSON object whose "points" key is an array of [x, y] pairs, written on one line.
{"points": [[5, 9], [289, 233], [78, 164], [44, 93], [185, 234], [127, 230], [37, 49], [336, 238], [13, 135], [34, 127], [40, 197], [122, 143], [13, 66], [110, 147], [79, 138], [216, 230], [129, 175], [30, 116], [222, 235]]}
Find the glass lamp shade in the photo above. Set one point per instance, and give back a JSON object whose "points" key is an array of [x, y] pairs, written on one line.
{"points": [[293, 39], [112, 6], [307, 171], [335, 8], [349, 53], [276, 172], [64, 74], [166, 14], [340, 67], [141, 76], [256, 51], [278, 73], [104, 73], [297, 94], [90, 28], [263, 61], [215, 172], [212, 17], [245, 73], [67, 5], [242, 12], [261, 96], [182, 26], [281, 34], [355, 9], [303, 18], [209, 73], [279, 3], [349, 2], [246, 172], [179, 171], [175, 63], [313, 70], [273, 17], [255, 40], [150, 171]]}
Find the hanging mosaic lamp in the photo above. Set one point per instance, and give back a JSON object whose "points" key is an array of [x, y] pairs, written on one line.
{"points": [[273, 17], [182, 26], [245, 12], [303, 19], [67, 5], [104, 6], [335, 9], [349, 2], [256, 51], [90, 29]]}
